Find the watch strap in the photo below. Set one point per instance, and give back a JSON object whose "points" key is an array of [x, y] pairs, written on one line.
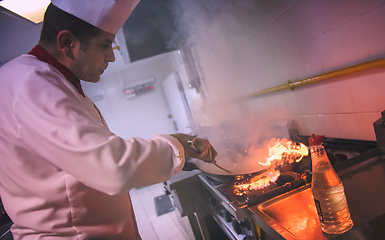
{"points": [[190, 142]]}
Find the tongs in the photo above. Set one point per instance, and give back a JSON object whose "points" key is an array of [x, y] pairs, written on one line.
{"points": [[215, 163], [191, 144]]}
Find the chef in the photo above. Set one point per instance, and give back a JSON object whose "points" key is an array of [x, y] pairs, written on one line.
{"points": [[63, 174]]}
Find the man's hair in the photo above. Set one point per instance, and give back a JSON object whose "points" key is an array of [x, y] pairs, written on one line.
{"points": [[57, 20]]}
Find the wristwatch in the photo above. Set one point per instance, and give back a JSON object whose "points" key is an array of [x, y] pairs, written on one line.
{"points": [[190, 142]]}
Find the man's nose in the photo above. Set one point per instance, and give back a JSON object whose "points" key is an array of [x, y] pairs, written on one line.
{"points": [[111, 56]]}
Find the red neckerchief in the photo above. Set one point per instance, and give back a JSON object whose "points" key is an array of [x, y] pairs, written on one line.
{"points": [[44, 56]]}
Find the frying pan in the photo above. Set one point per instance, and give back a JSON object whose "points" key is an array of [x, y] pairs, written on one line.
{"points": [[240, 146]]}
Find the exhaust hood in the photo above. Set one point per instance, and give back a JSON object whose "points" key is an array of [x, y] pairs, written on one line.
{"points": [[160, 26], [149, 29]]}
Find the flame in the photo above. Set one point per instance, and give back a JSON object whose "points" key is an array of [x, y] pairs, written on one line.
{"points": [[281, 152], [257, 182], [285, 152]]}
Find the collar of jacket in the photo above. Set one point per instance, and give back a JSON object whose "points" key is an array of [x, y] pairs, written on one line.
{"points": [[41, 54]]}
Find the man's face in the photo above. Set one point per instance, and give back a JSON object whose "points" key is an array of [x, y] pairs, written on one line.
{"points": [[89, 64]]}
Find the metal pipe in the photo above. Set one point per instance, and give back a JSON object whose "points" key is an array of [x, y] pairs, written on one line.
{"points": [[379, 63]]}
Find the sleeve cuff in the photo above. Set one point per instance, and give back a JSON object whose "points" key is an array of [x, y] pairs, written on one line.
{"points": [[178, 156]]}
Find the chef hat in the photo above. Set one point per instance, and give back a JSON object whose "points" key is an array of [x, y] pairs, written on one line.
{"points": [[108, 15]]}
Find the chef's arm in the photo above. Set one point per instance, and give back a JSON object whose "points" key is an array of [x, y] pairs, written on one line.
{"points": [[203, 149]]}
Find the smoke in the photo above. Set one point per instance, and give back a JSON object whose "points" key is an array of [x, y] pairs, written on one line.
{"points": [[240, 135], [193, 18], [244, 142]]}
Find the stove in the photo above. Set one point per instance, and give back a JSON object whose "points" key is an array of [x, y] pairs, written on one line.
{"points": [[232, 211], [287, 181], [232, 218], [249, 215]]}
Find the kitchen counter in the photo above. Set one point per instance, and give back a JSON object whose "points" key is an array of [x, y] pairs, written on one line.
{"points": [[183, 178], [184, 190], [293, 215]]}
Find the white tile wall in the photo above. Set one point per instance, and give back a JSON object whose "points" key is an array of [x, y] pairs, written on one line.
{"points": [[296, 40], [372, 23], [342, 11], [122, 113]]}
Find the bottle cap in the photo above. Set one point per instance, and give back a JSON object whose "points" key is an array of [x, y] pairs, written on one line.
{"points": [[315, 140]]}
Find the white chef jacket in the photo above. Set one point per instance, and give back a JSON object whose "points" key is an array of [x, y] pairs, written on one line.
{"points": [[63, 174]]}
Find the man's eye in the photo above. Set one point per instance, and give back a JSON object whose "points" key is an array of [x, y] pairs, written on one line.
{"points": [[106, 46]]}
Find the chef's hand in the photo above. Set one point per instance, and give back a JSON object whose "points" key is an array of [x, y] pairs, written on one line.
{"points": [[204, 152]]}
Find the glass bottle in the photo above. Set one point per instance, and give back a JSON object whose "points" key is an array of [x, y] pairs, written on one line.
{"points": [[328, 191]]}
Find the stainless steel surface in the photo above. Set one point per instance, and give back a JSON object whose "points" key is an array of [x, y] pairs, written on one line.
{"points": [[226, 226], [239, 213], [184, 190], [379, 129], [285, 216], [190, 198], [235, 221], [293, 215]]}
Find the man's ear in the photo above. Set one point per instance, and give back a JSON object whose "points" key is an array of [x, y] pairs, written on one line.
{"points": [[65, 42]]}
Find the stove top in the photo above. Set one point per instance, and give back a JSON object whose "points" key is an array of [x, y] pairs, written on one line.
{"points": [[287, 181], [292, 177]]}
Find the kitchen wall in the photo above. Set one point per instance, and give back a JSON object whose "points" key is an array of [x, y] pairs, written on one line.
{"points": [[254, 45], [17, 35], [143, 115]]}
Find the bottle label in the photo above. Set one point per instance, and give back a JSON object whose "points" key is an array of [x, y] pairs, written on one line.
{"points": [[318, 207]]}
